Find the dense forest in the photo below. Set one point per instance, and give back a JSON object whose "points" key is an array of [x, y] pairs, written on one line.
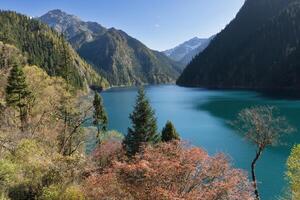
{"points": [[125, 61], [47, 49], [258, 49]]}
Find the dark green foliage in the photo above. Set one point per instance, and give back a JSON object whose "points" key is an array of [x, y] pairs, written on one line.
{"points": [[169, 133], [144, 127], [16, 90], [45, 48], [17, 93], [23, 192], [100, 119], [125, 61], [258, 49]]}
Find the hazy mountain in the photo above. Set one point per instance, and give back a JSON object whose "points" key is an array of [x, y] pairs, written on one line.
{"points": [[185, 52], [47, 49], [260, 48], [122, 59], [189, 57]]}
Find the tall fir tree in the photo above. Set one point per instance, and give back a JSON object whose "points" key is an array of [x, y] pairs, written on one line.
{"points": [[66, 63], [144, 127], [18, 95], [169, 133], [100, 119]]}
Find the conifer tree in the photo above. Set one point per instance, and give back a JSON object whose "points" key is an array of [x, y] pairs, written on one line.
{"points": [[144, 127], [169, 133], [66, 62], [100, 119], [17, 94]]}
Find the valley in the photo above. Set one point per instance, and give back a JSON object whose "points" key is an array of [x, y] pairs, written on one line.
{"points": [[189, 100]]}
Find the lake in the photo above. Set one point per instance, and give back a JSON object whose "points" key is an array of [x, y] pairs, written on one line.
{"points": [[201, 117]]}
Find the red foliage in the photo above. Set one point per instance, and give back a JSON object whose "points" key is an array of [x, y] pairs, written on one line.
{"points": [[107, 153], [171, 171]]}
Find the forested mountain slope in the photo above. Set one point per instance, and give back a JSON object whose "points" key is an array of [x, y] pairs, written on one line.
{"points": [[258, 49], [45, 48], [125, 61]]}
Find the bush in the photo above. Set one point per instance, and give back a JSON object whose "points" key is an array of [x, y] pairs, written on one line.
{"points": [[170, 171], [58, 192], [51, 193], [293, 173], [73, 193], [109, 150]]}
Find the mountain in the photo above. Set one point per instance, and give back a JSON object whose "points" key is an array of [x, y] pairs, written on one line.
{"points": [[47, 49], [189, 57], [260, 48], [74, 30], [185, 52], [121, 59]]}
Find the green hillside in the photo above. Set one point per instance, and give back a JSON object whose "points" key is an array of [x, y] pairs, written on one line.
{"points": [[47, 49], [125, 61]]}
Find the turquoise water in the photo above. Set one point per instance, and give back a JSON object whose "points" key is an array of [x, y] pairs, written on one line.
{"points": [[201, 117]]}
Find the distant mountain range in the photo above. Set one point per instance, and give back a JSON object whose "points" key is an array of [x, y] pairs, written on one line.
{"points": [[121, 59], [260, 48], [186, 51]]}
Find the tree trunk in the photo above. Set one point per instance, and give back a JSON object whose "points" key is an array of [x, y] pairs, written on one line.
{"points": [[258, 153], [23, 119], [98, 132]]}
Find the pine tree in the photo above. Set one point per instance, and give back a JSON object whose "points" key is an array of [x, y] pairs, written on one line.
{"points": [[18, 94], [100, 119], [169, 133], [3, 57], [144, 127], [65, 62]]}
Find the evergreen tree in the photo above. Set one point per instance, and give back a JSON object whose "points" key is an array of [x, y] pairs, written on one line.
{"points": [[100, 119], [66, 61], [17, 94], [169, 133], [144, 127]]}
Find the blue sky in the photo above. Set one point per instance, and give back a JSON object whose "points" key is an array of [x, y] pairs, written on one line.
{"points": [[160, 24]]}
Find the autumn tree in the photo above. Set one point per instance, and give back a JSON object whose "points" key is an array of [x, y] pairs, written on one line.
{"points": [[293, 172], [144, 127], [169, 133], [263, 127], [40, 165], [170, 171], [100, 119], [72, 135], [58, 114], [110, 149], [18, 94]]}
